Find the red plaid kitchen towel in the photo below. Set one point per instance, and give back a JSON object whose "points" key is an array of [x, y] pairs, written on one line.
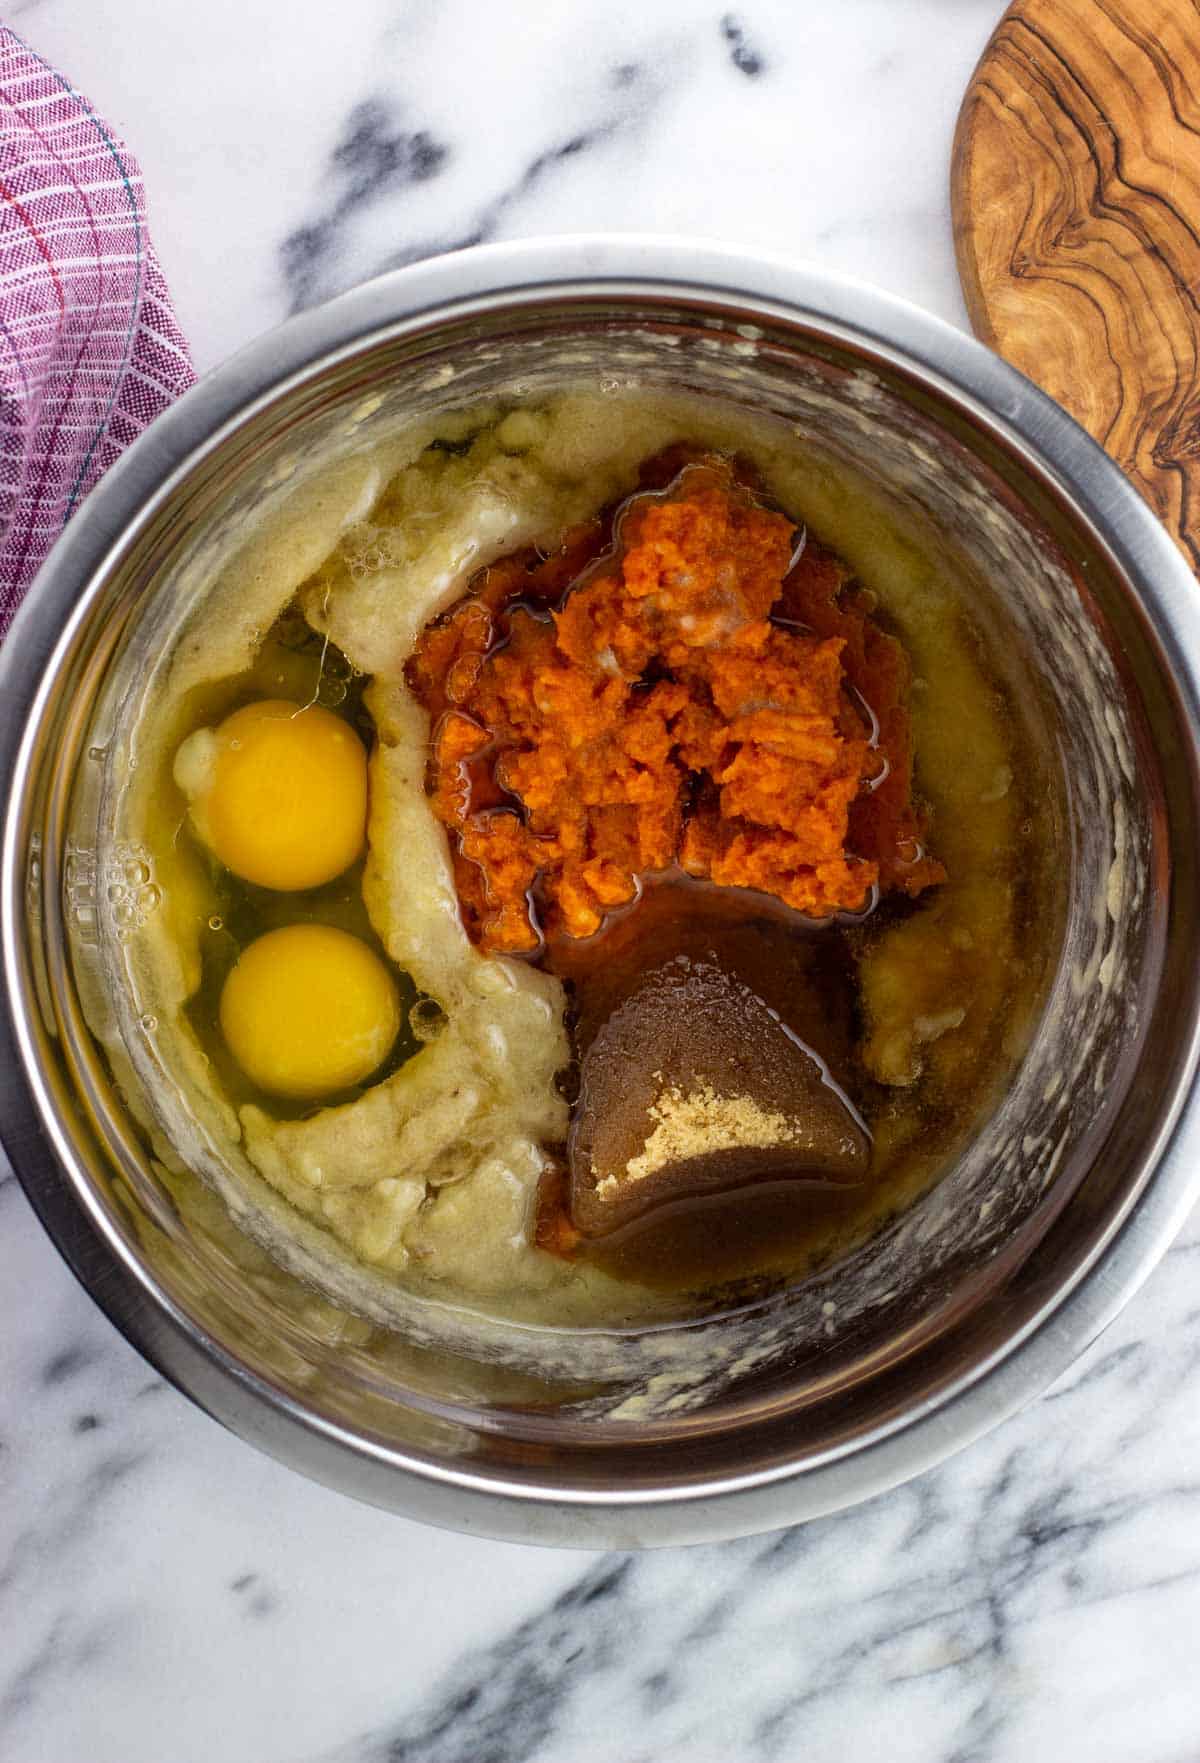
{"points": [[90, 351]]}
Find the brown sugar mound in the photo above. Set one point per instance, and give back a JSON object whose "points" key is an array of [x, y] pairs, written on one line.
{"points": [[693, 1086], [670, 688]]}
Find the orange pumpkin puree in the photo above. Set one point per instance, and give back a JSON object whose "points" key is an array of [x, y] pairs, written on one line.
{"points": [[673, 687]]}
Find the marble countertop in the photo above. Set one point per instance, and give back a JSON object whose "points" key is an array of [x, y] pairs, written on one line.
{"points": [[167, 1595]]}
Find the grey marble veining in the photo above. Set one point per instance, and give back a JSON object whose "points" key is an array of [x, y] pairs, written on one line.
{"points": [[400, 126], [959, 1616], [169, 1596]]}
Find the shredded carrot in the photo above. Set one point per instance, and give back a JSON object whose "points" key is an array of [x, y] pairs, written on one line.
{"points": [[635, 702]]}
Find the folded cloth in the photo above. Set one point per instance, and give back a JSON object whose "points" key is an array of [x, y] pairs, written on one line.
{"points": [[90, 350]]}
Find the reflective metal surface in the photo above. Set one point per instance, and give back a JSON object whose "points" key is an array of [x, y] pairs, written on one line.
{"points": [[975, 1323]]}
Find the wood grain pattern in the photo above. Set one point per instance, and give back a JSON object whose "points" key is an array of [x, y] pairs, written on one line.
{"points": [[1075, 192]]}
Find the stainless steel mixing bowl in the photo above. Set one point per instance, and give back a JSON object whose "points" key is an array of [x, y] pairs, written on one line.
{"points": [[962, 1308]]}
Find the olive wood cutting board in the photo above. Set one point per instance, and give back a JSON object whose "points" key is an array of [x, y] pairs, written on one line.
{"points": [[1075, 192]]}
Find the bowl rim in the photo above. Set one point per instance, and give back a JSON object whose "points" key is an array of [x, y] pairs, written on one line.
{"points": [[958, 369]]}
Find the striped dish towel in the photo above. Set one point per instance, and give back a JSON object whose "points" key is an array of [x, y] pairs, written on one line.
{"points": [[90, 351]]}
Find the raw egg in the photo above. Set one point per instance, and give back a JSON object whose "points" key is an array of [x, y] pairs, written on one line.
{"points": [[309, 1010], [278, 792]]}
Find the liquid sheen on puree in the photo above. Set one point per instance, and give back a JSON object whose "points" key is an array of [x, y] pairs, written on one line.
{"points": [[651, 712]]}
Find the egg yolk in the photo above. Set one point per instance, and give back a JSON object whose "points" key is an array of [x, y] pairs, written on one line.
{"points": [[309, 1010], [279, 793]]}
